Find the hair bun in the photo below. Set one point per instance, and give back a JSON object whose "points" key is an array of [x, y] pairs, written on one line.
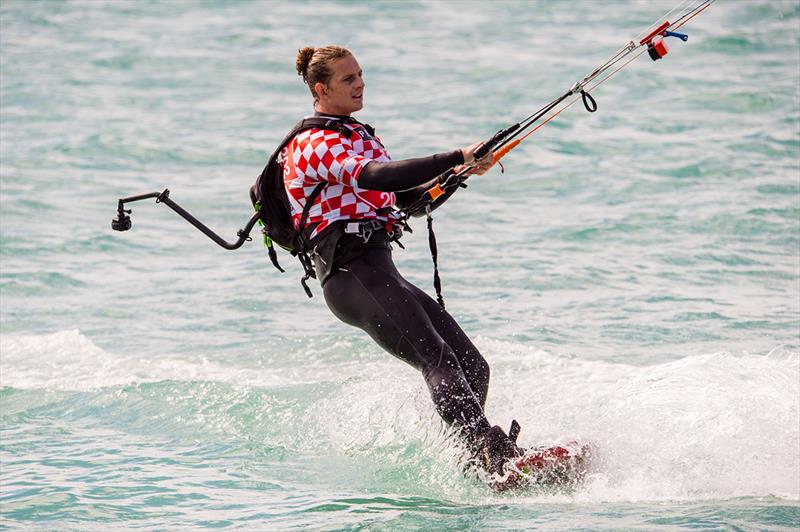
{"points": [[304, 56], [314, 64]]}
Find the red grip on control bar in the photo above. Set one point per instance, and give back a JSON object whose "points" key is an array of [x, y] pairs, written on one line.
{"points": [[655, 32]]}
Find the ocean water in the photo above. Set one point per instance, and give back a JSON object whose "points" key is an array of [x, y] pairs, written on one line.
{"points": [[633, 277]]}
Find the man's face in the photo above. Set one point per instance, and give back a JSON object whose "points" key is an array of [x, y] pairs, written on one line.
{"points": [[344, 93]]}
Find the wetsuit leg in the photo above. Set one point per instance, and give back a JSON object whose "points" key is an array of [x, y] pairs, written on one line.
{"points": [[368, 292], [475, 367]]}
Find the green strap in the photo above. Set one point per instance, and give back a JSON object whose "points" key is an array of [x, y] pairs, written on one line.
{"points": [[273, 257], [267, 239]]}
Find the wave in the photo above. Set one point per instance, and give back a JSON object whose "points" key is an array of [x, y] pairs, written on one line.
{"points": [[701, 427], [712, 425], [69, 361]]}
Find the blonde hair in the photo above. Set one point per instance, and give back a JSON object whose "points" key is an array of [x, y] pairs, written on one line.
{"points": [[314, 64]]}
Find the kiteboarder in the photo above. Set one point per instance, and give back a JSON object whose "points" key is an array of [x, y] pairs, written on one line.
{"points": [[351, 225]]}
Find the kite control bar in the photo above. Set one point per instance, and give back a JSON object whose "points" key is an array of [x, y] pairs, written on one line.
{"points": [[509, 138]]}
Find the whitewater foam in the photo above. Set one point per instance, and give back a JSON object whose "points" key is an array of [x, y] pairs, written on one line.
{"points": [[69, 361], [704, 426]]}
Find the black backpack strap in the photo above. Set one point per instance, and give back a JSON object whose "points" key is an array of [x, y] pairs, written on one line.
{"points": [[301, 237], [369, 128], [301, 241], [321, 122], [310, 202], [310, 122], [318, 122], [273, 257]]}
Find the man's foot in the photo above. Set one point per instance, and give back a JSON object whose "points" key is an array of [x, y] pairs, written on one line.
{"points": [[495, 449]]}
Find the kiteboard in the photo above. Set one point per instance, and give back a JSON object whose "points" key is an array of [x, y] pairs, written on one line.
{"points": [[560, 468]]}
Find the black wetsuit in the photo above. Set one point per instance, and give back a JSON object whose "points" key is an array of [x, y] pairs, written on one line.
{"points": [[363, 288], [368, 292]]}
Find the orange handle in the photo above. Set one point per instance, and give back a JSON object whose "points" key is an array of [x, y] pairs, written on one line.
{"points": [[435, 191], [499, 154]]}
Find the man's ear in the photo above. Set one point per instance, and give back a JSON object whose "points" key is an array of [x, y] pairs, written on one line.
{"points": [[320, 89]]}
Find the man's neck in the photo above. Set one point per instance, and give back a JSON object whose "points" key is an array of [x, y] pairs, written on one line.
{"points": [[323, 110]]}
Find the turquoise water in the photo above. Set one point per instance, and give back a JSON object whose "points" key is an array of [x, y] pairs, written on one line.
{"points": [[633, 277]]}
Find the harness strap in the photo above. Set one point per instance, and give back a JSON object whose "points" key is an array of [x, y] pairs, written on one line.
{"points": [[437, 282], [307, 208], [308, 268], [273, 257], [303, 240]]}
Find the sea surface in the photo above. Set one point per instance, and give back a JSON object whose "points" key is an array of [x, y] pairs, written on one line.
{"points": [[633, 277]]}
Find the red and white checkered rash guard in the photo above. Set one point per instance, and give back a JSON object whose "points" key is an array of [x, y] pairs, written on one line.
{"points": [[317, 155]]}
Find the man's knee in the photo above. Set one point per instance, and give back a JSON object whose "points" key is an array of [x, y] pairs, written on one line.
{"points": [[476, 368], [443, 368]]}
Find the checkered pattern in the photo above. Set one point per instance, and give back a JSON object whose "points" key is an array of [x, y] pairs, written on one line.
{"points": [[318, 155]]}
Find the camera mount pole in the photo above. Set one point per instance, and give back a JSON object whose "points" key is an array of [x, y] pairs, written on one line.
{"points": [[123, 222]]}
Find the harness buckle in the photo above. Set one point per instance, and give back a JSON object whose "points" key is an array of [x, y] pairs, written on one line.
{"points": [[363, 229], [366, 233]]}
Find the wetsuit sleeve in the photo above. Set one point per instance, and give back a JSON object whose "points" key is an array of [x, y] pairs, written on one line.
{"points": [[395, 176]]}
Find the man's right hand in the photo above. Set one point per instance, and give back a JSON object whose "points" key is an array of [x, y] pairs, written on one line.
{"points": [[481, 166]]}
